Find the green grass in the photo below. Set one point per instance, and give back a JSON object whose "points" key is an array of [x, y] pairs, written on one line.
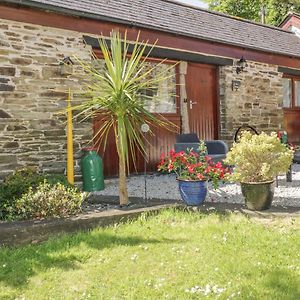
{"points": [[160, 257]]}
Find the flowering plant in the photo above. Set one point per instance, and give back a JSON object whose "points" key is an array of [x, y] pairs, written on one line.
{"points": [[189, 165]]}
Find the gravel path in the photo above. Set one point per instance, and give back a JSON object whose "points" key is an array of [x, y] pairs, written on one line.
{"points": [[166, 187]]}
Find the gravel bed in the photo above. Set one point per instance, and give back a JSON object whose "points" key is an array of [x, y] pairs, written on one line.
{"points": [[161, 186]]}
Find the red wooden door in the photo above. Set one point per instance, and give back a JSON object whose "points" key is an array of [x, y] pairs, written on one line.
{"points": [[291, 103], [162, 140], [292, 124], [201, 88]]}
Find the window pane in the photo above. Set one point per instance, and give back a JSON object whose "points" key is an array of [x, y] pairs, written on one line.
{"points": [[287, 92], [297, 93], [161, 98]]}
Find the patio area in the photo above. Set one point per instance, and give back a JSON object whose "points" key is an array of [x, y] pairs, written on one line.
{"points": [[160, 186]]}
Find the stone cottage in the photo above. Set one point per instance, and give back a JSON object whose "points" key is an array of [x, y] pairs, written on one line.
{"points": [[217, 91]]}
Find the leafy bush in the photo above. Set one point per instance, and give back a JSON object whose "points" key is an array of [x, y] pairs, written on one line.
{"points": [[17, 184], [258, 158], [48, 200]]}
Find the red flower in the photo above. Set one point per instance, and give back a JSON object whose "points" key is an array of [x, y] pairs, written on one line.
{"points": [[200, 176], [190, 169], [182, 159], [221, 174], [207, 158], [190, 165], [219, 165], [170, 167], [208, 169]]}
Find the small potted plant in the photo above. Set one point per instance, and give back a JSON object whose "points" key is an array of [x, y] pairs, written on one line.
{"points": [[257, 159], [193, 170]]}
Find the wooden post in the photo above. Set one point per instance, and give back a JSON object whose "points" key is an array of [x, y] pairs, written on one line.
{"points": [[183, 98]]}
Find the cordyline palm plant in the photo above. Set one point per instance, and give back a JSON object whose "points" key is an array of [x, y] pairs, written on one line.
{"points": [[117, 93]]}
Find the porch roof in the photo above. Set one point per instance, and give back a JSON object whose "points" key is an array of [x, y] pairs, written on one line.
{"points": [[171, 16]]}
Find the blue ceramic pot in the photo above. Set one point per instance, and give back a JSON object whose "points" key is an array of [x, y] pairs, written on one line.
{"points": [[193, 192]]}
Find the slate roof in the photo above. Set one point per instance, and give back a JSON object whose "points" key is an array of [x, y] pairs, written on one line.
{"points": [[170, 16]]}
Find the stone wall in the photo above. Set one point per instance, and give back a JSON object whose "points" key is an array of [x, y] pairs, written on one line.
{"points": [[33, 92], [256, 102]]}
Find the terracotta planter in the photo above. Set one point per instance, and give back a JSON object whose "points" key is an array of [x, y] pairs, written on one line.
{"points": [[193, 193], [258, 195]]}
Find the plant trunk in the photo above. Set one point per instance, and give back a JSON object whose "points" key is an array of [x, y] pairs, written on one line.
{"points": [[123, 193]]}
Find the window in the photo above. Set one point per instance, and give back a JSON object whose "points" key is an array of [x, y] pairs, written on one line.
{"points": [[160, 98], [297, 92], [291, 92], [287, 92]]}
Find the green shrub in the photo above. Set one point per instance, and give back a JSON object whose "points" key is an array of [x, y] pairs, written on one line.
{"points": [[258, 158], [17, 184], [48, 200]]}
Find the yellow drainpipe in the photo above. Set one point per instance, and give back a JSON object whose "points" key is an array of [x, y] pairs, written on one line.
{"points": [[70, 159]]}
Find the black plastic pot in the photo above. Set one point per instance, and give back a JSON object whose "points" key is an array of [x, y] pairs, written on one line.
{"points": [[258, 196]]}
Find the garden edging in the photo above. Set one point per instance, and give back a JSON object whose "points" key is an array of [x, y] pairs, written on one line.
{"points": [[35, 231], [26, 232]]}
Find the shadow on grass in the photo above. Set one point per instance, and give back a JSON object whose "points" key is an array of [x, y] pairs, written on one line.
{"points": [[225, 210], [283, 284], [218, 209], [19, 264]]}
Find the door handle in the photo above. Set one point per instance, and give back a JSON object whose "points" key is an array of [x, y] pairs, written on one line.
{"points": [[192, 103]]}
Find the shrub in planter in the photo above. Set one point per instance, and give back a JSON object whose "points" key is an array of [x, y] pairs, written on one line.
{"points": [[257, 159], [48, 201], [17, 184]]}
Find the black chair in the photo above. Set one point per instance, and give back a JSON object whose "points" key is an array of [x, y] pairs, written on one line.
{"points": [[216, 149], [187, 141], [297, 157], [187, 138]]}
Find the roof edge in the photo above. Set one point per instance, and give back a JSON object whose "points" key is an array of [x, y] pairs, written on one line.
{"points": [[78, 13], [171, 53], [290, 71], [176, 2], [226, 15]]}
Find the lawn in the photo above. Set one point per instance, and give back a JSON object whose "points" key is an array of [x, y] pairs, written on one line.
{"points": [[173, 255]]}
